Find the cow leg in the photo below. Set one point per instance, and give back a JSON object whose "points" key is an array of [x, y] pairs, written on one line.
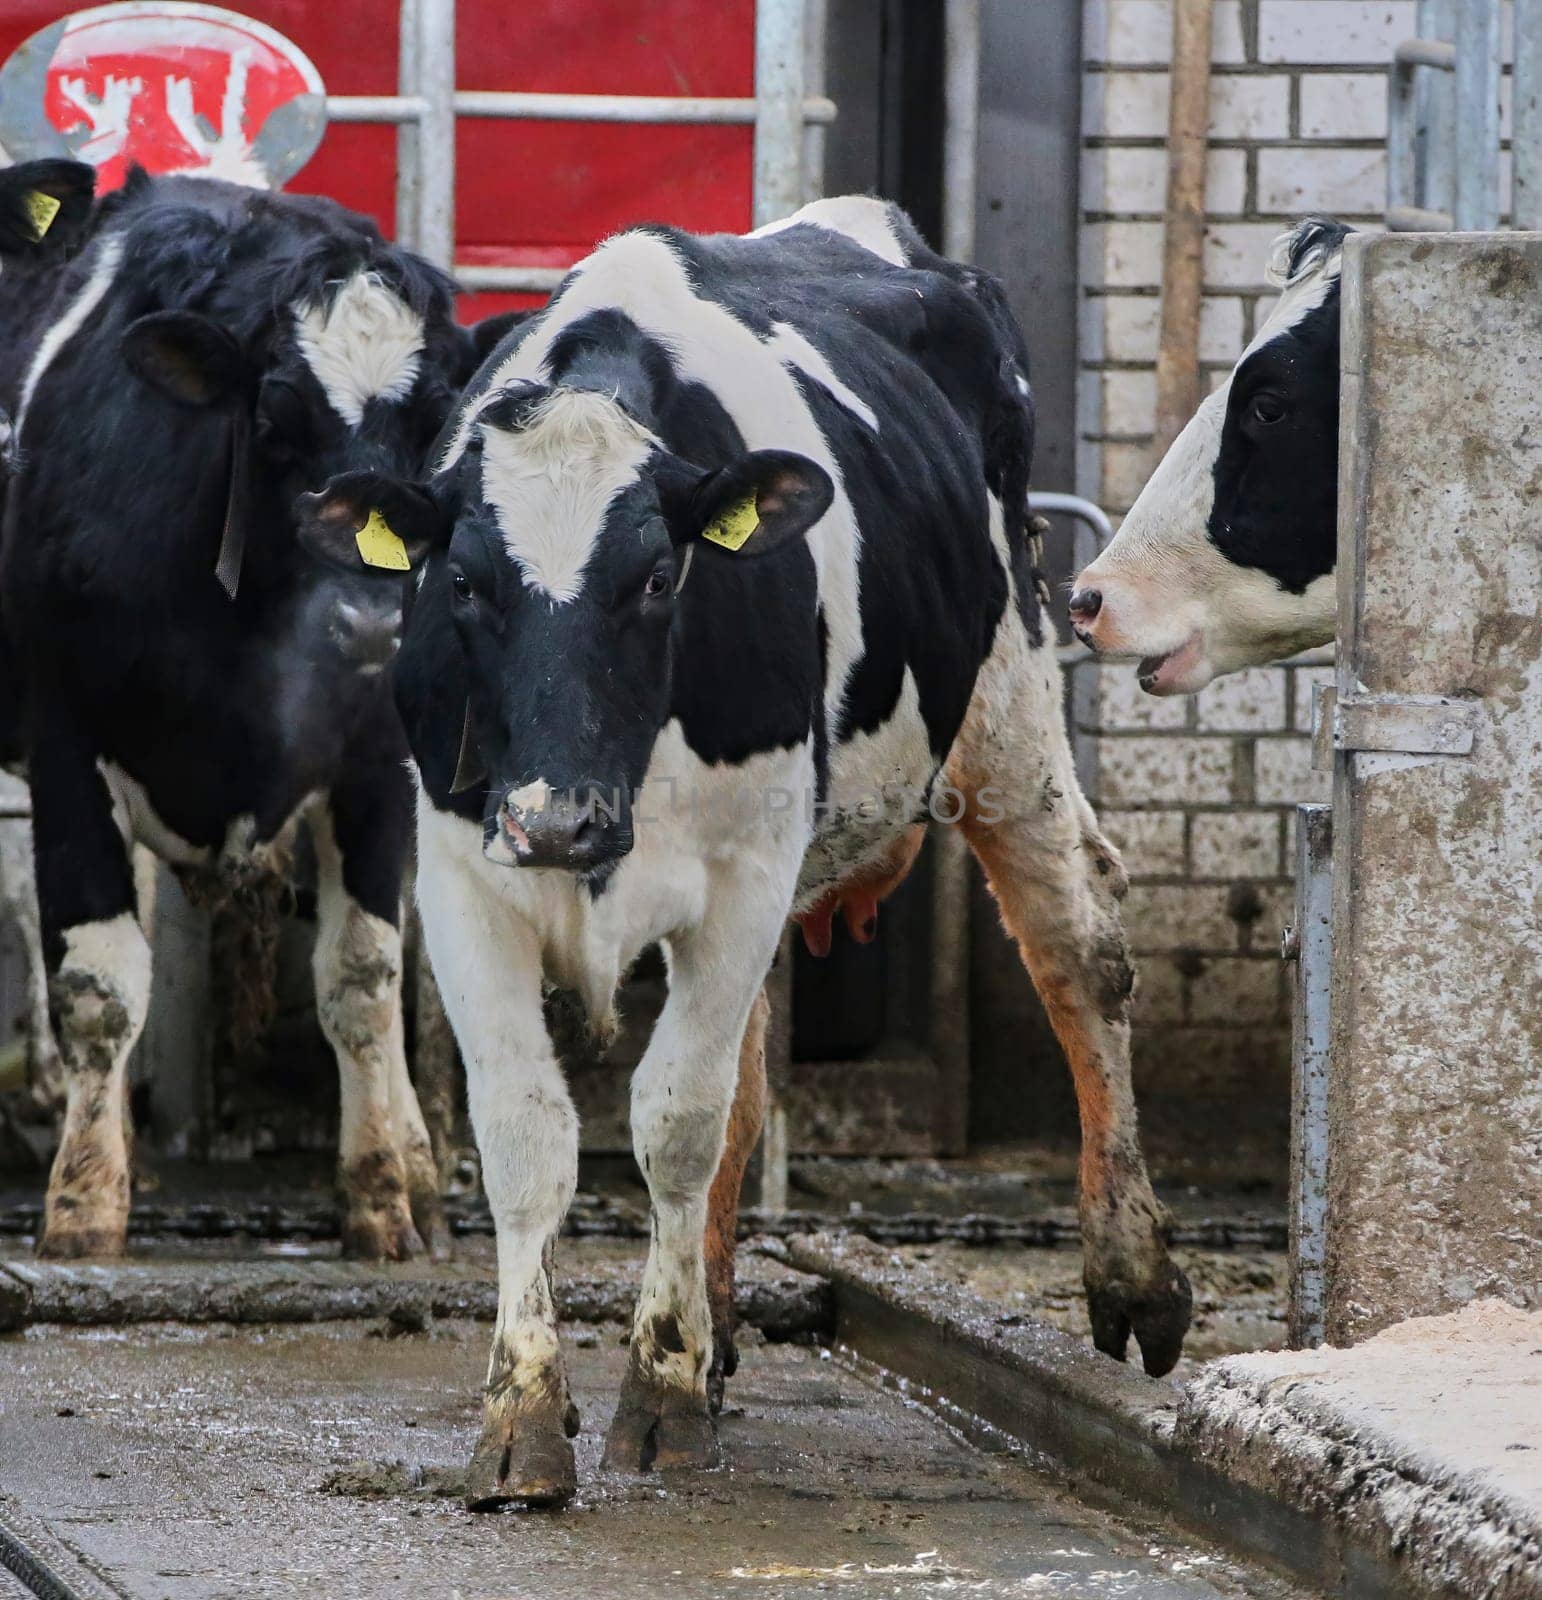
{"points": [[18, 899], [745, 1116], [489, 970], [386, 1172], [1058, 883], [681, 1097], [98, 963]]}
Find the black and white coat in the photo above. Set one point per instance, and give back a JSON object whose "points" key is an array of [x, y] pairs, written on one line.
{"points": [[183, 675], [1226, 558], [879, 633]]}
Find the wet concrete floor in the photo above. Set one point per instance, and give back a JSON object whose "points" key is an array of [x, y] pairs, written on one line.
{"points": [[217, 1463]]}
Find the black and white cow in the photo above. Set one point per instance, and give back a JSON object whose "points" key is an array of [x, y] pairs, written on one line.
{"points": [[189, 678], [1226, 558], [724, 580]]}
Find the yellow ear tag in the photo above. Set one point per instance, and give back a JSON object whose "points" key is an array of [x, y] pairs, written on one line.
{"points": [[42, 209], [732, 527], [379, 547]]}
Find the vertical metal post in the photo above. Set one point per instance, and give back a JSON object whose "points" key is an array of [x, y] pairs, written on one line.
{"points": [[1313, 947], [436, 138], [778, 109], [1526, 101], [1435, 114], [408, 82], [949, 1030], [775, 1144], [961, 128], [1475, 207], [816, 22]]}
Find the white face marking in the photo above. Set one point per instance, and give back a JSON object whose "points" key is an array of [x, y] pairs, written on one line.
{"points": [[364, 345], [793, 350], [1167, 590], [551, 482], [104, 270]]}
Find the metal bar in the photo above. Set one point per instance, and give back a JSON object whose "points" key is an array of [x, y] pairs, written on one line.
{"points": [[816, 27], [644, 108], [1073, 505], [1526, 101], [409, 87], [1475, 204], [778, 180], [1437, 53], [961, 127], [948, 1035], [436, 136], [1414, 219], [511, 280], [818, 110], [774, 1140], [397, 108], [1310, 944], [1402, 176], [1436, 113]]}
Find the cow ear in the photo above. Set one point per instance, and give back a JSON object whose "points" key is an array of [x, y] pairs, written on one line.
{"points": [[44, 205], [365, 520], [761, 503], [193, 360]]}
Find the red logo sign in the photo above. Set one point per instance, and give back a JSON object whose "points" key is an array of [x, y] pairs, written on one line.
{"points": [[173, 87]]}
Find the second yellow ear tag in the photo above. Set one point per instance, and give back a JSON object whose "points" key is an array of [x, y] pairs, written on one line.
{"points": [[42, 209], [379, 547], [732, 527]]}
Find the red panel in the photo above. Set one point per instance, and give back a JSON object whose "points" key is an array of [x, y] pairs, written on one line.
{"points": [[531, 193]]}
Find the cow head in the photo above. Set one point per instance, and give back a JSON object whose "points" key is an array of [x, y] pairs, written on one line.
{"points": [[356, 372], [44, 207], [1226, 558], [558, 540]]}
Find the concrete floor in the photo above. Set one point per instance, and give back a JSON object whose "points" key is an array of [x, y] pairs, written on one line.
{"points": [[217, 1463]]}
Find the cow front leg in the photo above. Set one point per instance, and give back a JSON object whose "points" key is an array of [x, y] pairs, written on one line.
{"points": [[384, 1162], [18, 902], [1058, 883], [681, 1096], [98, 963], [745, 1117], [488, 969]]}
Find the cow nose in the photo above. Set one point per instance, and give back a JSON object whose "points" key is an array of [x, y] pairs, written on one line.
{"points": [[574, 830], [367, 639], [1086, 603]]}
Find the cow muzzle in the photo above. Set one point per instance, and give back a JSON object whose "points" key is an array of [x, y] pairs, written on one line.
{"points": [[584, 829]]}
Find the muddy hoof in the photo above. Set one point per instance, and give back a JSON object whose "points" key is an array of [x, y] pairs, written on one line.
{"points": [[725, 1363], [76, 1241], [434, 1229], [526, 1464], [660, 1428], [1158, 1317], [381, 1236]]}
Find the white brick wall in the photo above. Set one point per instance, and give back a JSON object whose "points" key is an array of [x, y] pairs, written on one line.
{"points": [[1200, 793]]}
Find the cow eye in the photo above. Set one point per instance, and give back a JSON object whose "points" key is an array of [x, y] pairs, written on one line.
{"points": [[1267, 408], [659, 581], [461, 585]]}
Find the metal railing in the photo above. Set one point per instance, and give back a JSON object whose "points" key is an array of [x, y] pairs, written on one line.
{"points": [[1443, 127], [783, 111]]}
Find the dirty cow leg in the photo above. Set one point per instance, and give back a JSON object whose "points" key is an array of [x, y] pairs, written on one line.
{"points": [[488, 967], [358, 973], [681, 1096], [98, 964], [745, 1116], [1058, 883], [18, 904]]}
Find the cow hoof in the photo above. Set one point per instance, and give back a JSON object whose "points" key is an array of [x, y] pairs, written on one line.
{"points": [[520, 1461], [725, 1363], [381, 1236], [76, 1240], [1158, 1316], [667, 1429]]}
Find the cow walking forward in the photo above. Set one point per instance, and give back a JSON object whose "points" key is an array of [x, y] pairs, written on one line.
{"points": [[190, 679], [723, 570]]}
